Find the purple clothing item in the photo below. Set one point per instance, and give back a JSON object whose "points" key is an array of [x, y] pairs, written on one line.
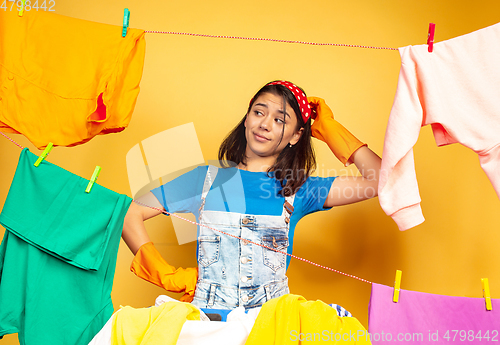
{"points": [[423, 318]]}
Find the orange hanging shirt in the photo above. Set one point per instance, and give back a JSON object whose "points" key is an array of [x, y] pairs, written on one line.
{"points": [[65, 80]]}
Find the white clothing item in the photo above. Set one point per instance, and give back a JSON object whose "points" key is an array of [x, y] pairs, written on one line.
{"points": [[234, 331], [104, 335], [164, 298]]}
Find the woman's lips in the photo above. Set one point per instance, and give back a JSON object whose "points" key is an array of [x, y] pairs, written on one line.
{"points": [[261, 138]]}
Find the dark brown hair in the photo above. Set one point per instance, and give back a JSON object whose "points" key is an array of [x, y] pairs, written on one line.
{"points": [[294, 164]]}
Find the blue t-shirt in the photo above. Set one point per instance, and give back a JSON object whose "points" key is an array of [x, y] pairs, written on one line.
{"points": [[241, 191]]}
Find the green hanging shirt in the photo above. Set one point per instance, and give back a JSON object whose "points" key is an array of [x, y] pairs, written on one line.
{"points": [[58, 255]]}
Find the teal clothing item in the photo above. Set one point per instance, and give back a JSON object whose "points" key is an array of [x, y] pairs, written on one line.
{"points": [[58, 255]]}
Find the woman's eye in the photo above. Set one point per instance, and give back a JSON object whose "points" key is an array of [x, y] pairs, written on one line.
{"points": [[280, 120], [258, 112]]}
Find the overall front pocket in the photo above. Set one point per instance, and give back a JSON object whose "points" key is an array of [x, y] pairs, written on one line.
{"points": [[272, 259], [208, 250]]}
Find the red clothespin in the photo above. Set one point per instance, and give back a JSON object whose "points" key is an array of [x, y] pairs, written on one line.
{"points": [[430, 37]]}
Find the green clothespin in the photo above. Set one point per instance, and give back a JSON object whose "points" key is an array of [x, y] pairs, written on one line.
{"points": [[397, 286], [126, 18], [97, 170], [21, 11], [44, 154]]}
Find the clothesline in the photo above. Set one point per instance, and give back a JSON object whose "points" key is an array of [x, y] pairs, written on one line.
{"points": [[12, 140], [269, 40], [258, 244], [225, 233]]}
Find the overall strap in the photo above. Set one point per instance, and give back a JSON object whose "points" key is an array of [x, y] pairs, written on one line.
{"points": [[290, 199], [288, 207], [209, 180]]}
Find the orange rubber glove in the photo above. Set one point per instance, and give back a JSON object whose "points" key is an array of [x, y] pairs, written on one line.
{"points": [[149, 265], [325, 128]]}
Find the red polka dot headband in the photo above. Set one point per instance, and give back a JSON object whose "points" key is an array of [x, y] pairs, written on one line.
{"points": [[300, 96]]}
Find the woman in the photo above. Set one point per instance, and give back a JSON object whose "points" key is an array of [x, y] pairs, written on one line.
{"points": [[271, 156]]}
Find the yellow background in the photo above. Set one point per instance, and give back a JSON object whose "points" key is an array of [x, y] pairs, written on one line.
{"points": [[209, 82]]}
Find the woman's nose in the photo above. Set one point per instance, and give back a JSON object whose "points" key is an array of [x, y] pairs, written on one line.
{"points": [[266, 122]]}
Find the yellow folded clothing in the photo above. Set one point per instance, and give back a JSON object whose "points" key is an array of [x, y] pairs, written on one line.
{"points": [[291, 319], [152, 326], [149, 265]]}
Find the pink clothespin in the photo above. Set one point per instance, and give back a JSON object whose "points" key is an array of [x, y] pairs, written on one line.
{"points": [[430, 37]]}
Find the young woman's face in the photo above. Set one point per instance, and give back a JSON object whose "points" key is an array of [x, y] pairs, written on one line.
{"points": [[264, 126]]}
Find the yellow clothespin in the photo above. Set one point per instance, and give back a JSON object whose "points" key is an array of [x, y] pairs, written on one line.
{"points": [[44, 154], [397, 286], [21, 11], [97, 170], [486, 293]]}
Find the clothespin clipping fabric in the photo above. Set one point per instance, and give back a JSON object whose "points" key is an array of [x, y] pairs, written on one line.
{"points": [[44, 154], [430, 37], [126, 19], [94, 177], [486, 293], [397, 286], [21, 11]]}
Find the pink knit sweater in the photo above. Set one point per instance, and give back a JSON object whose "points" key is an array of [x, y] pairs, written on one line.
{"points": [[455, 89]]}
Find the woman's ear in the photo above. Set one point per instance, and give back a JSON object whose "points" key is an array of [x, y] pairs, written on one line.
{"points": [[296, 136]]}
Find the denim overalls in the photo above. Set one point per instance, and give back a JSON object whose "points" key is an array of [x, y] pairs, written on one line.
{"points": [[234, 272]]}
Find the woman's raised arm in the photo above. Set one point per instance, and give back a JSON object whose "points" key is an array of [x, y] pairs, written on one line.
{"points": [[348, 149], [350, 189]]}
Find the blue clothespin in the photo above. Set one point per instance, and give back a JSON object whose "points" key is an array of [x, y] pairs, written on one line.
{"points": [[126, 18], [44, 154], [97, 170], [21, 11]]}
